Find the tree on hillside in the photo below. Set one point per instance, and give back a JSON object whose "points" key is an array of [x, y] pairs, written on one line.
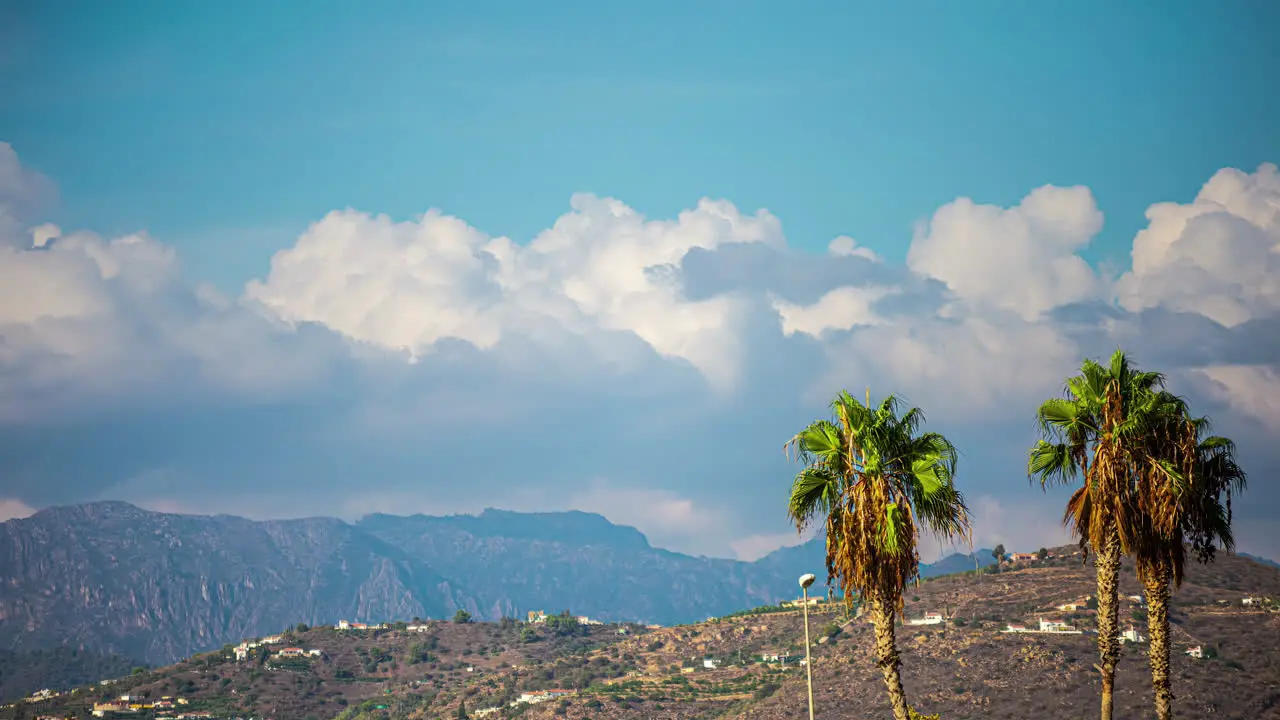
{"points": [[876, 479], [462, 710], [462, 617], [1042, 554], [1185, 497], [998, 554], [1098, 433]]}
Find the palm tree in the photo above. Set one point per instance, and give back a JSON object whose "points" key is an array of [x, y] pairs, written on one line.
{"points": [[1097, 434], [1185, 497], [876, 478]]}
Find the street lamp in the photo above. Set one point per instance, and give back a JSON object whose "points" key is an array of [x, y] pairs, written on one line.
{"points": [[805, 581]]}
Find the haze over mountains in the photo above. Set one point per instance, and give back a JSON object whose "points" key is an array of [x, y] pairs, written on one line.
{"points": [[110, 577]]}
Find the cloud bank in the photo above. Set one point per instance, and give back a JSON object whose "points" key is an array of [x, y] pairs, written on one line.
{"points": [[648, 369]]}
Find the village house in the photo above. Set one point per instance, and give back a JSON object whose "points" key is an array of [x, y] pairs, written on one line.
{"points": [[1057, 626], [1016, 629], [1251, 601], [418, 628], [101, 709], [1195, 652], [273, 640], [291, 652], [584, 620], [344, 625], [1021, 557], [537, 616], [801, 602], [538, 696], [930, 618], [710, 663], [1132, 635], [1139, 599]]}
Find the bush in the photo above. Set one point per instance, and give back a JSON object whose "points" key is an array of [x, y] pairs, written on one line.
{"points": [[462, 617]]}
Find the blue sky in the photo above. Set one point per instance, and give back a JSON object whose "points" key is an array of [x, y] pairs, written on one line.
{"points": [[224, 130]]}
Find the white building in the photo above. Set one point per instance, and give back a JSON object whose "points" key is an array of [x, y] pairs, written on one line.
{"points": [[928, 619], [1195, 652], [710, 663], [1139, 599], [1057, 626], [1250, 601], [1132, 635]]}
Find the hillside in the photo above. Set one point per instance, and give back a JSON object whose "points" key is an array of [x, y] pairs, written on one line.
{"points": [[965, 668], [111, 578]]}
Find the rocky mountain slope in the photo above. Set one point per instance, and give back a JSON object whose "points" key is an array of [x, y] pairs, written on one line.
{"points": [[112, 578], [965, 669]]}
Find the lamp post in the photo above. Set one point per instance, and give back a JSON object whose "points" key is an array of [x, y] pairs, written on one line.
{"points": [[805, 581]]}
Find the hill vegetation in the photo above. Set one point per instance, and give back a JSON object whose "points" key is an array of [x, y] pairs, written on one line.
{"points": [[965, 667]]}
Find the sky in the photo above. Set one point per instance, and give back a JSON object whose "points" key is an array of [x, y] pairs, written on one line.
{"points": [[280, 260]]}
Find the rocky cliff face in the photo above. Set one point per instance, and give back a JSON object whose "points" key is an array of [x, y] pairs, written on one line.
{"points": [[153, 586], [112, 578]]}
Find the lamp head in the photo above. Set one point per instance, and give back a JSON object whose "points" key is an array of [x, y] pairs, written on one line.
{"points": [[806, 580]]}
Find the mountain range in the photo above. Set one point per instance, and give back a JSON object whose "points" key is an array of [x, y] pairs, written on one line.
{"points": [[114, 579]]}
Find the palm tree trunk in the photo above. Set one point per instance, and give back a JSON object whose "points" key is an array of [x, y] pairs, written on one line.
{"points": [[887, 656], [1157, 587], [1107, 563]]}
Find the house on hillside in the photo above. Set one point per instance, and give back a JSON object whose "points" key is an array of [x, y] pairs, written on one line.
{"points": [[930, 618], [1075, 605], [1195, 652], [102, 709], [1022, 557], [273, 640], [1251, 601], [1132, 635], [242, 652], [1016, 629], [291, 652], [1057, 626], [344, 625], [584, 620], [710, 663], [1139, 599], [801, 602], [418, 628], [537, 616], [538, 696], [777, 657]]}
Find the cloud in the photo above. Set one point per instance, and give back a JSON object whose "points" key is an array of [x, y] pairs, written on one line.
{"points": [[11, 509], [425, 365], [1021, 526], [667, 518], [1021, 260], [407, 285], [1218, 256]]}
